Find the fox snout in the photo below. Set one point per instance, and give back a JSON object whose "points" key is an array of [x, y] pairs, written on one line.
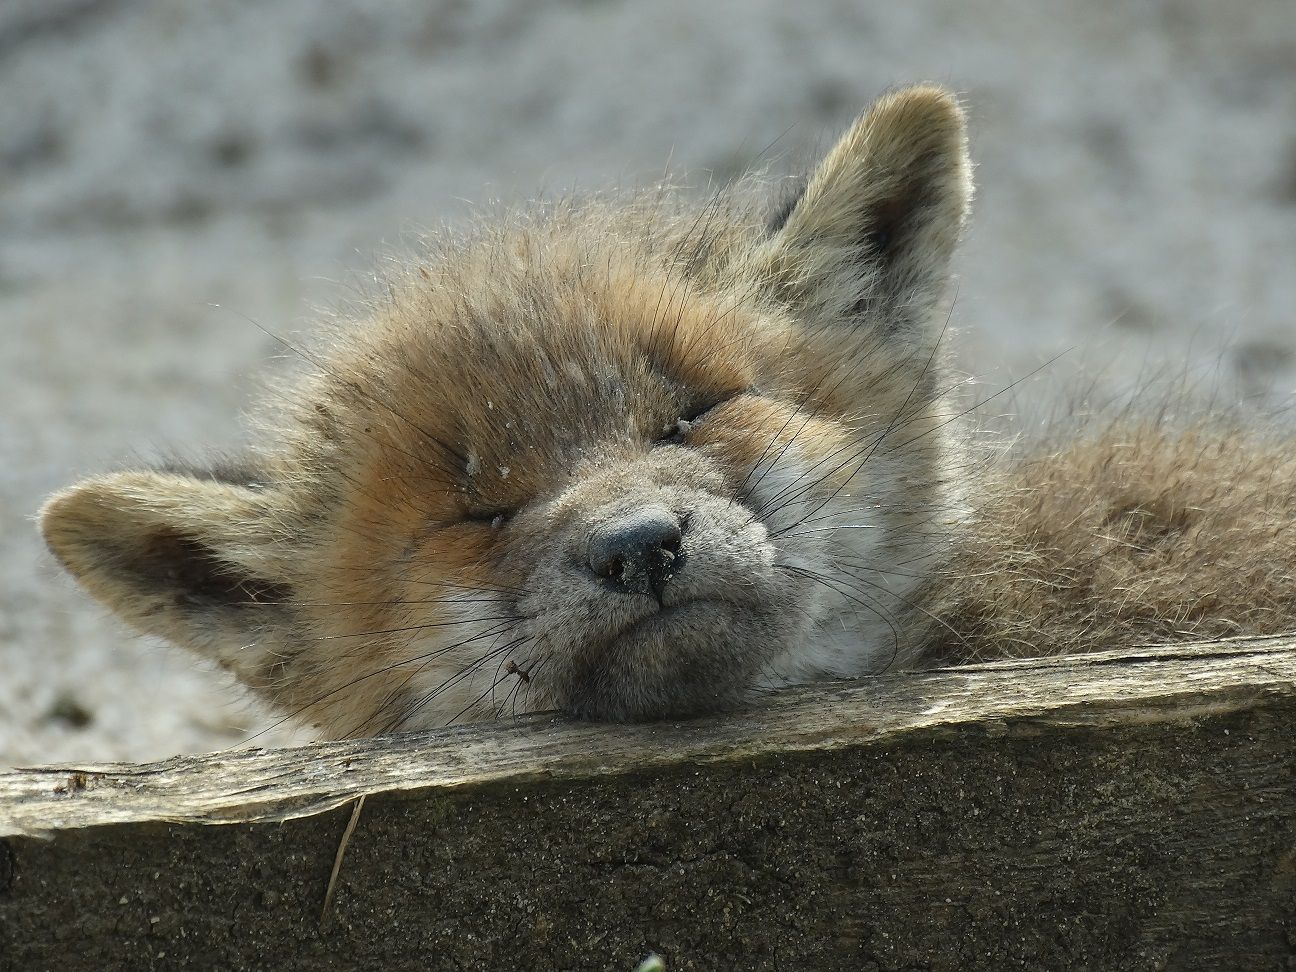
{"points": [[639, 552], [667, 600]]}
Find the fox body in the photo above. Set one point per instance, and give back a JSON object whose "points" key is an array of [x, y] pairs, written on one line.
{"points": [[647, 457]]}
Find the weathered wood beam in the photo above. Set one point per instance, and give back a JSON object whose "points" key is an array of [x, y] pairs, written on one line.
{"points": [[1116, 810]]}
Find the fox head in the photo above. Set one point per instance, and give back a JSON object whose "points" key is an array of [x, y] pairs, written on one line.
{"points": [[630, 459]]}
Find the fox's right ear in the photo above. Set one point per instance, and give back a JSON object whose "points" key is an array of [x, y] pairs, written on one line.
{"points": [[192, 559], [868, 240]]}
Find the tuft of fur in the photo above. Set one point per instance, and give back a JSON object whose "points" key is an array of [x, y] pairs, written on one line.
{"points": [[645, 457], [1131, 535]]}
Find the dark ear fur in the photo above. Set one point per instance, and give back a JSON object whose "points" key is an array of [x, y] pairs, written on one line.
{"points": [[869, 239], [194, 561]]}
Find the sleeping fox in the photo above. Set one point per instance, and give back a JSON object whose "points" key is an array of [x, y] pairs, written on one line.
{"points": [[649, 456]]}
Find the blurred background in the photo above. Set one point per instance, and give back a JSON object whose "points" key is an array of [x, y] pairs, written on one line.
{"points": [[170, 173]]}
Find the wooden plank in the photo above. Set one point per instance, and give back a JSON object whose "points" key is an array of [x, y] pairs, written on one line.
{"points": [[259, 785], [1122, 810]]}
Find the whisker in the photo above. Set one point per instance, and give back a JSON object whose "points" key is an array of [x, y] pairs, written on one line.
{"points": [[462, 674], [833, 585], [408, 628], [300, 710], [878, 438]]}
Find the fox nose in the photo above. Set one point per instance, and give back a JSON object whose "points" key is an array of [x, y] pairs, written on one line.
{"points": [[639, 552]]}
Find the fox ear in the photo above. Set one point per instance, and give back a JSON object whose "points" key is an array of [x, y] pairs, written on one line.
{"points": [[192, 560], [869, 238]]}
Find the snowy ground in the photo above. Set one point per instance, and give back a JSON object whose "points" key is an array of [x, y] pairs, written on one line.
{"points": [[171, 172]]}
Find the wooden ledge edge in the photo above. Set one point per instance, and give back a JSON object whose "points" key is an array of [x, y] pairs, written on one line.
{"points": [[1177, 682]]}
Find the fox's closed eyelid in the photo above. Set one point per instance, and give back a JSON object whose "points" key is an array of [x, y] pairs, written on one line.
{"points": [[697, 411], [493, 517], [675, 431]]}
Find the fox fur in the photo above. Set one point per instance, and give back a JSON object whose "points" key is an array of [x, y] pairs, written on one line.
{"points": [[649, 456]]}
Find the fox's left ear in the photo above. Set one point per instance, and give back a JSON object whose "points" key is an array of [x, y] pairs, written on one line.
{"points": [[199, 561], [869, 239]]}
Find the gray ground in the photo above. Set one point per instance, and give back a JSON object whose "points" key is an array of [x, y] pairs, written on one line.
{"points": [[170, 173]]}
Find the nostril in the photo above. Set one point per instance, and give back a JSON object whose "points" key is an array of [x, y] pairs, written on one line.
{"points": [[637, 551]]}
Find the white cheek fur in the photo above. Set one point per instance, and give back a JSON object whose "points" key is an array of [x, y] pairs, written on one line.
{"points": [[845, 536], [464, 672]]}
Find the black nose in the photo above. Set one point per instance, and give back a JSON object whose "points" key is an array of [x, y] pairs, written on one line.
{"points": [[640, 551]]}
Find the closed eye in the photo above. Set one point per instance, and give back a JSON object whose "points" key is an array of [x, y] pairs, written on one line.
{"points": [[677, 431], [494, 518]]}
